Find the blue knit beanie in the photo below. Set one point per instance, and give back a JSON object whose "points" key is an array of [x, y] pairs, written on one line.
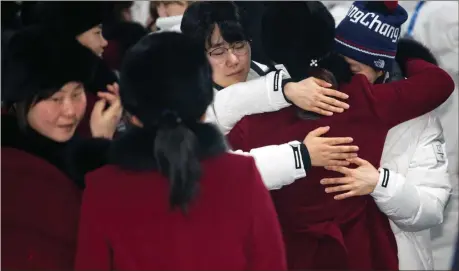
{"points": [[369, 33]]}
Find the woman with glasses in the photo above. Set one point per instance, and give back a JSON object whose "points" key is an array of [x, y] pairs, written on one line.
{"points": [[243, 87]]}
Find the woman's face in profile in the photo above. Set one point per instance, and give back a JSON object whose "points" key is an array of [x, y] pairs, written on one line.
{"points": [[94, 40]]}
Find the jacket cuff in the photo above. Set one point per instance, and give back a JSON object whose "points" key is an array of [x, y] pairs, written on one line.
{"points": [[298, 170], [285, 82], [305, 157], [276, 93], [386, 186], [298, 155]]}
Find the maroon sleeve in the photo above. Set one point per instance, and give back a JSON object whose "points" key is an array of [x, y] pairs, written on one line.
{"points": [[93, 252], [426, 88], [238, 136], [265, 246]]}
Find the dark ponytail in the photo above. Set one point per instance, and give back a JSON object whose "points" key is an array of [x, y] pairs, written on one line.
{"points": [[176, 154], [171, 111]]}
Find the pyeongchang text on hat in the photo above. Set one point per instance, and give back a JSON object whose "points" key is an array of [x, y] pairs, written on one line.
{"points": [[358, 16]]}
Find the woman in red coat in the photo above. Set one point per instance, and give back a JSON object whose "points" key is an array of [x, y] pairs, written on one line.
{"points": [[353, 234], [43, 164], [172, 198]]}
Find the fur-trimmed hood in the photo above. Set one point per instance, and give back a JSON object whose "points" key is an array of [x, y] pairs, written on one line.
{"points": [[134, 149]]}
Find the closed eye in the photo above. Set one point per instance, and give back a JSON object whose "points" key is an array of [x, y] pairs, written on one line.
{"points": [[77, 94], [218, 51], [56, 99]]}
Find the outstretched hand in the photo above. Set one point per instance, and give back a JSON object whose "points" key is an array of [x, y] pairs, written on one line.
{"points": [[329, 151], [356, 182], [314, 95]]}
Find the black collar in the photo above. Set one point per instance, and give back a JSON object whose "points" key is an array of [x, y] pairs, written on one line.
{"points": [[134, 149], [75, 157], [30, 141], [217, 87]]}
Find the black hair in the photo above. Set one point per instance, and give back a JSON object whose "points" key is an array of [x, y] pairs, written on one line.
{"points": [[333, 69], [21, 108], [176, 153], [293, 33], [166, 81], [200, 19]]}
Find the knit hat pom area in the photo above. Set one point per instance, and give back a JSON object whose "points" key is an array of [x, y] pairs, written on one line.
{"points": [[370, 31]]}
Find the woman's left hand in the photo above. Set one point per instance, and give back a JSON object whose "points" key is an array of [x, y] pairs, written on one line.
{"points": [[357, 182]]}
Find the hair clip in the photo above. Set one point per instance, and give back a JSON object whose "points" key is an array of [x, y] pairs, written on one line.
{"points": [[313, 63]]}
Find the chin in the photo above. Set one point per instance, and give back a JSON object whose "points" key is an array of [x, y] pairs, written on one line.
{"points": [[234, 80], [63, 137], [242, 77]]}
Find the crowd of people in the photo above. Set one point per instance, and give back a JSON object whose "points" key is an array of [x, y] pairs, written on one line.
{"points": [[210, 135]]}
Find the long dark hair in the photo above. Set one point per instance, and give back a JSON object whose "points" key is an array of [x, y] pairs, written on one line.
{"points": [[176, 153], [166, 81]]}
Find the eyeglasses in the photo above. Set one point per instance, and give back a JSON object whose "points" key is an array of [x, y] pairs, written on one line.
{"points": [[239, 48]]}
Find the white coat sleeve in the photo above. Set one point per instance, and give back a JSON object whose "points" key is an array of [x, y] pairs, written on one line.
{"points": [[231, 104], [416, 201], [279, 165]]}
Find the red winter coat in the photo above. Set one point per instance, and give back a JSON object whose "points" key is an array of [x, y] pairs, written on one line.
{"points": [[321, 232], [40, 209], [40, 203], [127, 223]]}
